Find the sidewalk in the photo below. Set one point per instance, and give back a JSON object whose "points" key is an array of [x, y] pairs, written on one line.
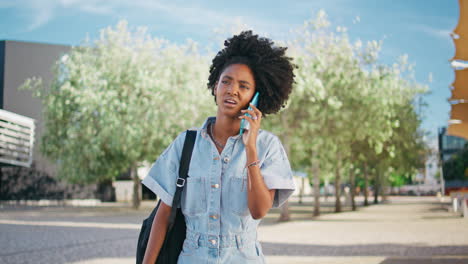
{"points": [[405, 230]]}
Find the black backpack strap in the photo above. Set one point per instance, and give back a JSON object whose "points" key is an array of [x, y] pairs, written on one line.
{"points": [[189, 142]]}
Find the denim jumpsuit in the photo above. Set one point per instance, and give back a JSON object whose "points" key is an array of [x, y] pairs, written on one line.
{"points": [[220, 228]]}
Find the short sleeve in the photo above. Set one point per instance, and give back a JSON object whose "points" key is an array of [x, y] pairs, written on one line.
{"points": [[161, 178], [277, 173]]}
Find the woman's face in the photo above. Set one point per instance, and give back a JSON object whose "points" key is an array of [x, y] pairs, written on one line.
{"points": [[234, 89]]}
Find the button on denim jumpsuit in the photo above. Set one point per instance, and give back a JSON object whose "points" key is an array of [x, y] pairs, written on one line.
{"points": [[220, 228]]}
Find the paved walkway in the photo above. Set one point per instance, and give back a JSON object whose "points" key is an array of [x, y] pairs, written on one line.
{"points": [[406, 230]]}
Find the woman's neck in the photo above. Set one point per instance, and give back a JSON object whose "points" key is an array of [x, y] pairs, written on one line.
{"points": [[225, 127]]}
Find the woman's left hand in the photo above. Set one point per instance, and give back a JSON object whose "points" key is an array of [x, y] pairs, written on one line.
{"points": [[249, 136]]}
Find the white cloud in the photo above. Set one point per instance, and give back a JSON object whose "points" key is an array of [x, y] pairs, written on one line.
{"points": [[40, 12], [99, 10], [435, 32], [191, 14], [41, 18]]}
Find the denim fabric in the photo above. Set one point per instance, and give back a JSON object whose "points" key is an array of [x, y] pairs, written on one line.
{"points": [[220, 228]]}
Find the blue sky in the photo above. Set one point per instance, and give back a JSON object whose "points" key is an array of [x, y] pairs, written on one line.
{"points": [[417, 28]]}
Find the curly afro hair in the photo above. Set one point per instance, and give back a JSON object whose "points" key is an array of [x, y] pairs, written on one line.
{"points": [[272, 69]]}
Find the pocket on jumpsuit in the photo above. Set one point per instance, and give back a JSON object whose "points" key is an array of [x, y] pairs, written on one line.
{"points": [[238, 196], [250, 251], [194, 196]]}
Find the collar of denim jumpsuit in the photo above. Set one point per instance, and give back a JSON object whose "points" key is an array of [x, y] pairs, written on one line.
{"points": [[204, 128]]}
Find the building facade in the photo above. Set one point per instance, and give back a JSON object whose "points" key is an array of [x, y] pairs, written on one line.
{"points": [[18, 62]]}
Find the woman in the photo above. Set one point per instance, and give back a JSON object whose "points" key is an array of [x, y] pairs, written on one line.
{"points": [[232, 181]]}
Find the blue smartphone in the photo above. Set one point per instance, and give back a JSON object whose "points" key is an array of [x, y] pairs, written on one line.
{"points": [[246, 123]]}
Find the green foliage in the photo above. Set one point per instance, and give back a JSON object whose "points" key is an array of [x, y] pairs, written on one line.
{"points": [[397, 180], [347, 109], [120, 101]]}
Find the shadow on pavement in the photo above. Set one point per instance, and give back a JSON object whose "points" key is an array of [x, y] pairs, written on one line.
{"points": [[425, 261], [393, 250]]}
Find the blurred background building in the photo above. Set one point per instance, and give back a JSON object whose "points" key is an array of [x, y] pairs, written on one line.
{"points": [[452, 155], [35, 176], [19, 61], [458, 124], [452, 142]]}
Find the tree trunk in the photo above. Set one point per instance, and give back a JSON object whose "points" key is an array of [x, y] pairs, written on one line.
{"points": [[316, 177], [377, 187], [376, 193], [338, 184], [383, 188], [366, 186], [285, 216], [352, 180], [325, 189], [301, 191], [136, 187]]}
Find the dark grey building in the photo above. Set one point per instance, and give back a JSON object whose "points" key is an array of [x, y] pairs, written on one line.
{"points": [[449, 145], [18, 62]]}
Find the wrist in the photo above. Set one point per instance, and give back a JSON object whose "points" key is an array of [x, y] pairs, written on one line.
{"points": [[251, 152], [255, 163]]}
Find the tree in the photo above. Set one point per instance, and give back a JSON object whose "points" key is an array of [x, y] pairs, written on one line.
{"points": [[346, 107], [332, 82], [118, 102]]}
